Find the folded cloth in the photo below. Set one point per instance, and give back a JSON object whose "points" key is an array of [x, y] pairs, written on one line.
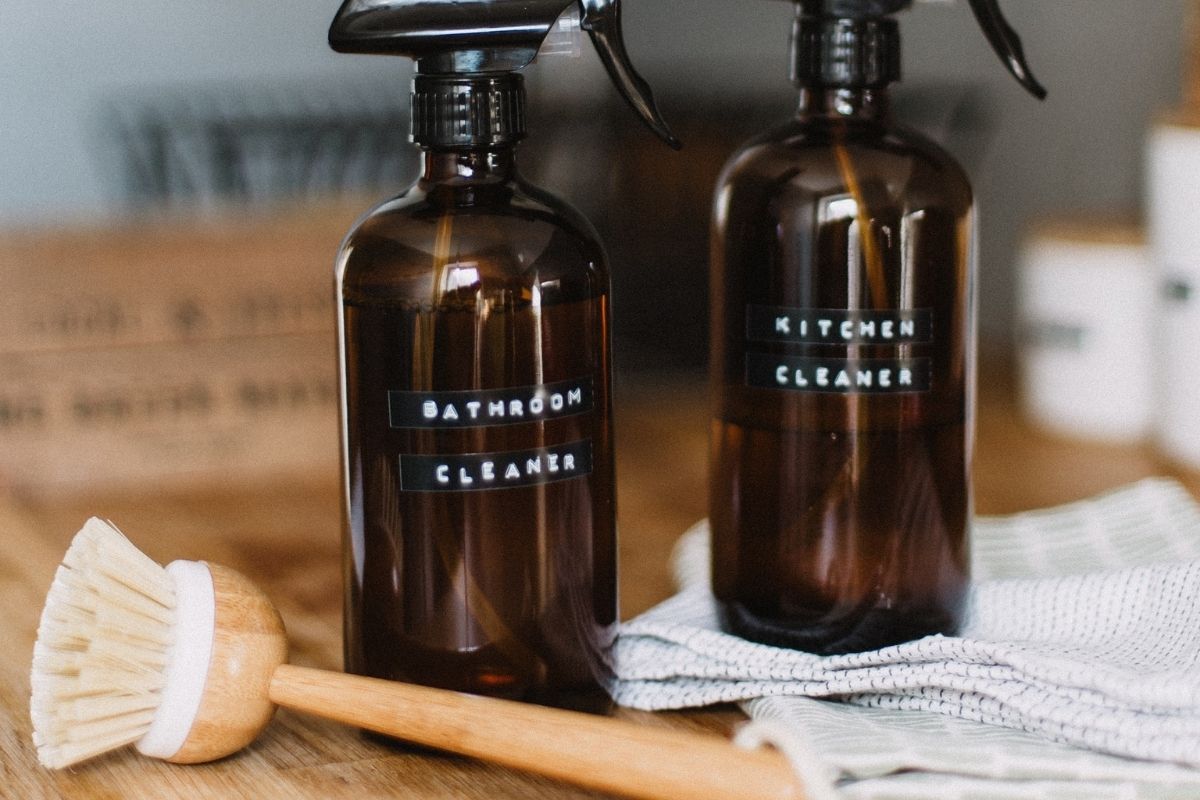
{"points": [[1082, 631]]}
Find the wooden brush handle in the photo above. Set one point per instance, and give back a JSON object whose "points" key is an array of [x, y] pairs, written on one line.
{"points": [[594, 752]]}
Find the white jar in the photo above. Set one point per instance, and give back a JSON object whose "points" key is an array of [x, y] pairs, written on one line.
{"points": [[1086, 307], [1173, 216]]}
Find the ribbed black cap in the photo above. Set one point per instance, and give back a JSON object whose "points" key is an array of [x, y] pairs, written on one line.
{"points": [[468, 111], [842, 52]]}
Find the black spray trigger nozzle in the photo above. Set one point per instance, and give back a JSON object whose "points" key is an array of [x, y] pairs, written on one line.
{"points": [[1007, 44], [999, 33], [602, 20], [453, 38]]}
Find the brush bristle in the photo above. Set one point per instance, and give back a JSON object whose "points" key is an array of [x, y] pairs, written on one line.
{"points": [[100, 660]]}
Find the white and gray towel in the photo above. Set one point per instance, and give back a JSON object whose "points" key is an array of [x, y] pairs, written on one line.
{"points": [[1080, 653]]}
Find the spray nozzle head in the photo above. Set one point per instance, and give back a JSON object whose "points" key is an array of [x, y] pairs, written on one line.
{"points": [[999, 33], [459, 38], [1007, 44]]}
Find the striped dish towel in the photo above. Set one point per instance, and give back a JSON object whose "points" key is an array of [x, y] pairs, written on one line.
{"points": [[1077, 673]]}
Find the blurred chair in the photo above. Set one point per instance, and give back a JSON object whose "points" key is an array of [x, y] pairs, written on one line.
{"points": [[650, 205], [259, 145]]}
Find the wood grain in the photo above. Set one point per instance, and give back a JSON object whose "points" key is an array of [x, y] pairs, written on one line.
{"points": [[285, 538], [596, 752], [248, 644]]}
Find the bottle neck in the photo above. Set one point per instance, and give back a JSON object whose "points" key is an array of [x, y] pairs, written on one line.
{"points": [[843, 66], [475, 166], [468, 112], [864, 104]]}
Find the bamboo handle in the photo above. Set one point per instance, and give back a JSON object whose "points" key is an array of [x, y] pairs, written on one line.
{"points": [[594, 752]]}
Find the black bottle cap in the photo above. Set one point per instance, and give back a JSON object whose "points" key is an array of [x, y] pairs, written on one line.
{"points": [[845, 52], [846, 58], [468, 111]]}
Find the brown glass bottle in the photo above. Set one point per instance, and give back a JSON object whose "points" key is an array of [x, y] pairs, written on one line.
{"points": [[843, 379], [480, 523]]}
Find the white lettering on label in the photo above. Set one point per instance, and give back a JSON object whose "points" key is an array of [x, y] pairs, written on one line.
{"points": [[538, 404], [863, 377], [852, 329], [465, 476]]}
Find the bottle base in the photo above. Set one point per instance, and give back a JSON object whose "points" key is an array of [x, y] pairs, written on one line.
{"points": [[590, 700], [588, 697], [481, 673], [861, 630]]}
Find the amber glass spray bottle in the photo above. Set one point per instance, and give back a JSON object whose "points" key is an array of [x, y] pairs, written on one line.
{"points": [[480, 541], [843, 354]]}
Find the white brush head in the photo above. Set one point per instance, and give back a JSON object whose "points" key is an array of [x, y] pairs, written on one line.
{"points": [[177, 661], [122, 651], [187, 668]]}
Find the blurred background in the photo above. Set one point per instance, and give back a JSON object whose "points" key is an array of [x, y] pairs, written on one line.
{"points": [[175, 179]]}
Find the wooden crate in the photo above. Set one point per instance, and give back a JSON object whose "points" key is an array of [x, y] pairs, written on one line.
{"points": [[169, 351]]}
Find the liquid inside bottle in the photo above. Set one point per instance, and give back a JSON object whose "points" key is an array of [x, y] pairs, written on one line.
{"points": [[843, 378], [480, 521]]}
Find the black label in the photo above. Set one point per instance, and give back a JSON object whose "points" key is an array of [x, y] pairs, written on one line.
{"points": [[838, 326], [489, 407], [1055, 335], [473, 472], [1178, 290], [839, 375]]}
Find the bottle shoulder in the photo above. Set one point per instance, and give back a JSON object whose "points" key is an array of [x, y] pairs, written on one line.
{"points": [[500, 210], [498, 238], [824, 157]]}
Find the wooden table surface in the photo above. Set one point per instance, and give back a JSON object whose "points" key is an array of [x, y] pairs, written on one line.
{"points": [[286, 538]]}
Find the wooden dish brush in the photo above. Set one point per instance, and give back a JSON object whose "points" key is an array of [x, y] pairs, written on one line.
{"points": [[187, 664]]}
